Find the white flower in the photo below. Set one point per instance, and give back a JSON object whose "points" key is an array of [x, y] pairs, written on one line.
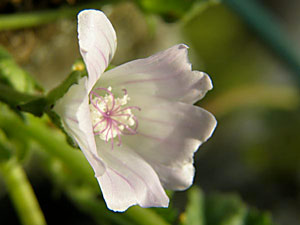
{"points": [[136, 124]]}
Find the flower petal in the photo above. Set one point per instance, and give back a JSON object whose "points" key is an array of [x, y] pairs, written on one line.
{"points": [[73, 108], [166, 74], [97, 42], [129, 180], [170, 133]]}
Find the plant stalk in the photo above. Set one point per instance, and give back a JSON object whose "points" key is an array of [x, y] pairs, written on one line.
{"points": [[21, 193]]}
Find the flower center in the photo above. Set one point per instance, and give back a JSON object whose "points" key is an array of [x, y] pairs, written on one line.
{"points": [[110, 117]]}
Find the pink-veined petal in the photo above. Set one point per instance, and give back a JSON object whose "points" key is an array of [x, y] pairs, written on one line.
{"points": [[170, 133], [166, 74], [73, 108], [97, 42], [128, 179]]}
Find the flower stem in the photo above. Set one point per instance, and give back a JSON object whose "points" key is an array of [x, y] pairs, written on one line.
{"points": [[57, 147], [53, 143], [21, 193]]}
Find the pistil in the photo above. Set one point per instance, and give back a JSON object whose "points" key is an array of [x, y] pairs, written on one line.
{"points": [[110, 117]]}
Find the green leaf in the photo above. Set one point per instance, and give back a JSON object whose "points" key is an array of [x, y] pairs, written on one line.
{"points": [[11, 74], [169, 214], [5, 152], [195, 209], [5, 149], [258, 218], [225, 210], [220, 209], [169, 9], [17, 86], [197, 9]]}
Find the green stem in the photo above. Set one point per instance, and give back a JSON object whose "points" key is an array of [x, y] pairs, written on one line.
{"points": [[57, 147], [19, 101], [32, 19], [22, 194], [13, 97], [53, 143]]}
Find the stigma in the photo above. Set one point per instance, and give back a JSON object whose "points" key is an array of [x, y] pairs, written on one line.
{"points": [[111, 118]]}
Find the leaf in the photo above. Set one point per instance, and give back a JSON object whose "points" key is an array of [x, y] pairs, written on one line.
{"points": [[258, 218], [169, 214], [220, 209], [5, 149], [225, 209], [12, 75], [17, 86], [170, 9], [195, 209]]}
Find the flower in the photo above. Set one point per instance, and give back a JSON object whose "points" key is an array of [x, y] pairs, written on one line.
{"points": [[136, 124]]}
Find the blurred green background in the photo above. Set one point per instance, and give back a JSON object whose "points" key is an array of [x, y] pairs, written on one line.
{"points": [[251, 54]]}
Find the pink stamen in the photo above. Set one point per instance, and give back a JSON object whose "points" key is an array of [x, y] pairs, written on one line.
{"points": [[116, 109], [126, 127], [95, 105], [102, 131], [109, 116], [98, 123], [111, 94], [111, 139]]}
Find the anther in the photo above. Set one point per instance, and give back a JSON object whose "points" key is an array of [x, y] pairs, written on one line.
{"points": [[110, 119]]}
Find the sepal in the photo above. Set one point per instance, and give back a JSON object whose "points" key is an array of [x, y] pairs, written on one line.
{"points": [[58, 92], [55, 118]]}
